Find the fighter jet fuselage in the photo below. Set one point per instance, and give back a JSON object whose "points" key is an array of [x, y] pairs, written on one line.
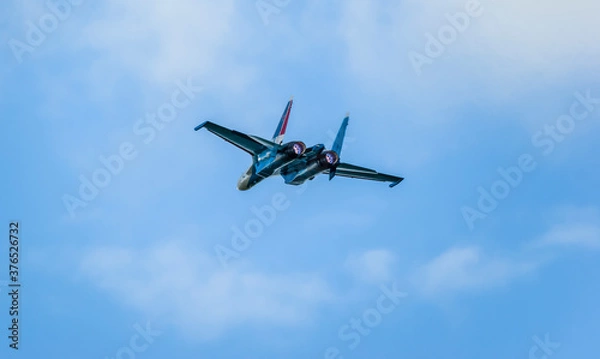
{"points": [[295, 166], [269, 163]]}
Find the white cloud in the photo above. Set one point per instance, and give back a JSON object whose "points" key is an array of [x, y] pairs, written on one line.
{"points": [[463, 269], [373, 266], [161, 41], [468, 269], [582, 235], [185, 284], [580, 227], [513, 42], [524, 28]]}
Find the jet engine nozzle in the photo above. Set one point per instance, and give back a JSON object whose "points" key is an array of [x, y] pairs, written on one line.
{"points": [[294, 149], [328, 159]]}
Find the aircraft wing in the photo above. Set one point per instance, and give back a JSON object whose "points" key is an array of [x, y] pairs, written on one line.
{"points": [[251, 144], [352, 171]]}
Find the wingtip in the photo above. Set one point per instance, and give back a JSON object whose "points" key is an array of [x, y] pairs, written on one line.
{"points": [[291, 98], [397, 182], [200, 125]]}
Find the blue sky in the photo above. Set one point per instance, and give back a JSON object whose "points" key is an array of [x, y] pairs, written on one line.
{"points": [[457, 261]]}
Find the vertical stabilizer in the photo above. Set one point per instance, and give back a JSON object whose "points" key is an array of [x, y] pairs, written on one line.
{"points": [[339, 142], [339, 139], [282, 127]]}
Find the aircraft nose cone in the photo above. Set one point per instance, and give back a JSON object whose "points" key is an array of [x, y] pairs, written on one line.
{"points": [[243, 185]]}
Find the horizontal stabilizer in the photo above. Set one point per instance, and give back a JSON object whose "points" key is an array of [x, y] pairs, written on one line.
{"points": [[352, 171]]}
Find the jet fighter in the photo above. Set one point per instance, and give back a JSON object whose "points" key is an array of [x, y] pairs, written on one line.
{"points": [[293, 160]]}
